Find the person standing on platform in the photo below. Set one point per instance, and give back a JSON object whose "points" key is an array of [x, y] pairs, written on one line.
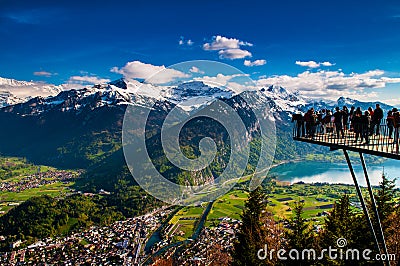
{"points": [[396, 120], [338, 115], [365, 126], [345, 113], [314, 123], [357, 124], [307, 120], [327, 122], [298, 118], [390, 123], [377, 119], [371, 111], [321, 119], [351, 115]]}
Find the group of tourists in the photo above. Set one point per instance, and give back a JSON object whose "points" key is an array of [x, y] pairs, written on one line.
{"points": [[363, 123]]}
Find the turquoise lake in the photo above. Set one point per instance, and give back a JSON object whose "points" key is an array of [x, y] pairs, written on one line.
{"points": [[312, 172]]}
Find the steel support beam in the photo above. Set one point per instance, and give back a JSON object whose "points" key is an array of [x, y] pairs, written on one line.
{"points": [[375, 209], [364, 207]]}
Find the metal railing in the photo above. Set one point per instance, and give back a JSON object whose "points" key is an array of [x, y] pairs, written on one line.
{"points": [[375, 138]]}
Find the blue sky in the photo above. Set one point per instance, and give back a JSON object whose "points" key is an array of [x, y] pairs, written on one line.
{"points": [[345, 48]]}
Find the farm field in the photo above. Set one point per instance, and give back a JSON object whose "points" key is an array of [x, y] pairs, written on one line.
{"points": [[183, 223], [318, 199]]}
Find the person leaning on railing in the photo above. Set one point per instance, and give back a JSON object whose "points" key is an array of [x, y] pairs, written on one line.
{"points": [[390, 123]]}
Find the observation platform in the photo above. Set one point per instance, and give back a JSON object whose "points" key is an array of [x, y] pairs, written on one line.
{"points": [[384, 144], [364, 140]]}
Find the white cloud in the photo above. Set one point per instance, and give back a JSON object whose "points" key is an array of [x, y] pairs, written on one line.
{"points": [[327, 64], [87, 80], [219, 79], [331, 84], [228, 48], [371, 73], [43, 74], [139, 70], [234, 54], [75, 86], [221, 43], [194, 69], [259, 62], [313, 64], [391, 80]]}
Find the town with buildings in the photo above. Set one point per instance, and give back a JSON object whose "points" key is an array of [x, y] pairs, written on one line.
{"points": [[124, 243], [121, 243], [38, 179]]}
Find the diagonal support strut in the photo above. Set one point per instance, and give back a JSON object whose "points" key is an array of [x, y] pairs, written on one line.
{"points": [[360, 196], [372, 198]]}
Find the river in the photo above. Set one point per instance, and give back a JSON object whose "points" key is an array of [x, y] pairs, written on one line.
{"points": [[312, 172]]}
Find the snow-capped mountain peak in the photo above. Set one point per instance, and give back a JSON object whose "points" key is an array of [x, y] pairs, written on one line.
{"points": [[275, 91], [15, 91], [282, 99], [119, 83], [14, 83], [192, 89], [345, 101], [7, 98]]}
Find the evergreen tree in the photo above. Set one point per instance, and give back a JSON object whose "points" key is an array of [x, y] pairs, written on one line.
{"points": [[253, 232], [389, 214], [299, 236], [385, 199], [339, 223], [343, 222]]}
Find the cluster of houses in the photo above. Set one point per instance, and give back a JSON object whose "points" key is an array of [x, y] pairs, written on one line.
{"points": [[220, 237], [37, 180], [199, 251], [121, 243]]}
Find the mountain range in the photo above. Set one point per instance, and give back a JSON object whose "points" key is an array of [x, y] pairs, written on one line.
{"points": [[81, 128], [122, 91]]}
